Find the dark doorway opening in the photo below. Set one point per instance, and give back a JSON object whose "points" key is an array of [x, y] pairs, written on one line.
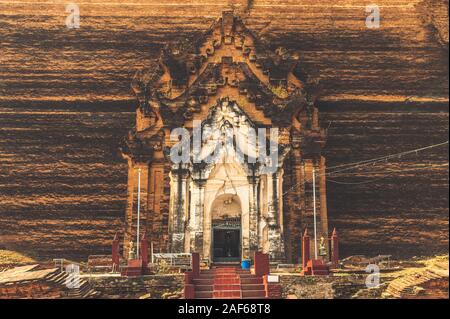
{"points": [[226, 245]]}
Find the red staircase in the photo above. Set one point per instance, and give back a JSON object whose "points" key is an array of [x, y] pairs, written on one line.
{"points": [[316, 267], [228, 282]]}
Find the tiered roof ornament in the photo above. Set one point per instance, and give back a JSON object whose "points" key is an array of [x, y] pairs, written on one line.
{"points": [[228, 61]]}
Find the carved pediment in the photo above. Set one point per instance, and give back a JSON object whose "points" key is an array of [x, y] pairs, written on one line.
{"points": [[227, 125], [228, 62], [228, 135], [228, 55]]}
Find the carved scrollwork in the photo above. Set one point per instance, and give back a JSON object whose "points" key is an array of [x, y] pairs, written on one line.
{"points": [[210, 50]]}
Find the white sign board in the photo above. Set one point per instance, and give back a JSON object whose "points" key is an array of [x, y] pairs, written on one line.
{"points": [[273, 278]]}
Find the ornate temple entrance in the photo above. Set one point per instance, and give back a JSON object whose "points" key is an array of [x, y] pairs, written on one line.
{"points": [[226, 145], [226, 244], [226, 229]]}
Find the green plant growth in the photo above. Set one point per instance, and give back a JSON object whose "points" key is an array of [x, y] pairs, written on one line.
{"points": [[310, 280], [163, 267]]}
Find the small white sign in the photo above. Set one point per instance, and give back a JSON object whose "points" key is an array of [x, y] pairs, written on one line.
{"points": [[73, 278], [273, 278]]}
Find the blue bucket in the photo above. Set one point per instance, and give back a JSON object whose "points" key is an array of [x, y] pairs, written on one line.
{"points": [[245, 264]]}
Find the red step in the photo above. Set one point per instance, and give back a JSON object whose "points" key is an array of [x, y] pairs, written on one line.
{"points": [[227, 287], [199, 281], [227, 294], [203, 294], [252, 281], [252, 287], [228, 282], [226, 276], [238, 271], [253, 294], [204, 287]]}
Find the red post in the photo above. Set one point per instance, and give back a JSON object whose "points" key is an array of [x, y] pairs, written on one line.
{"points": [[262, 266], [189, 288], [144, 250], [195, 265], [305, 249], [115, 253], [335, 248], [189, 291]]}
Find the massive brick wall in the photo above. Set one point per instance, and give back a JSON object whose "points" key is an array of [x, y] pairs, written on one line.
{"points": [[65, 102]]}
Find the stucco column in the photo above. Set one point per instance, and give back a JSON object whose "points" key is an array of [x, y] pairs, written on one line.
{"points": [[196, 218], [253, 213], [297, 208], [276, 246], [178, 208]]}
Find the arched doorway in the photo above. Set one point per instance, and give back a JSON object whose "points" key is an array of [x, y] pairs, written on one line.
{"points": [[226, 230]]}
